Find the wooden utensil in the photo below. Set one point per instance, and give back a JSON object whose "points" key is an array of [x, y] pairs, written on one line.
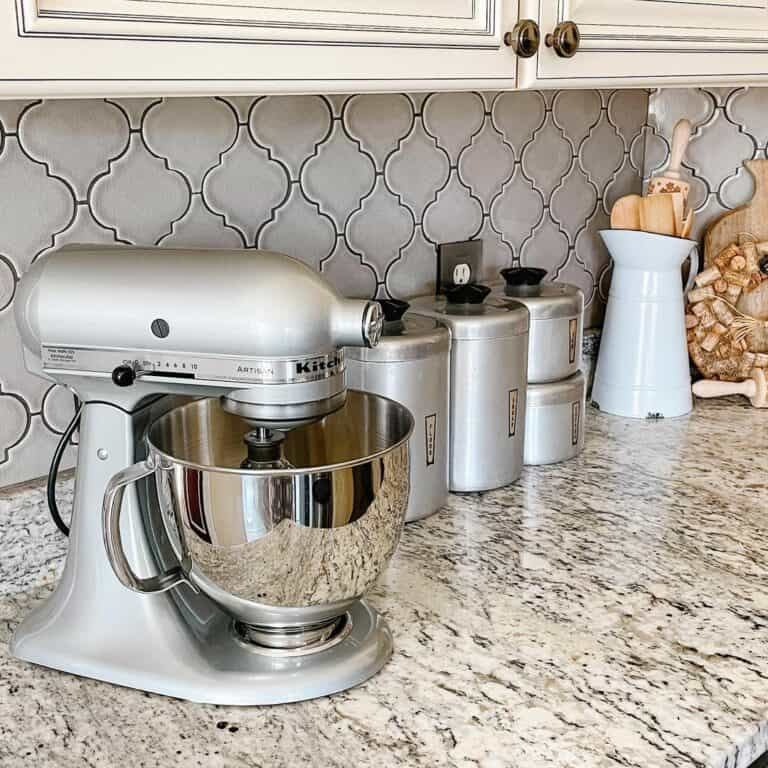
{"points": [[687, 225], [678, 205], [657, 214], [672, 178], [755, 388], [625, 213]]}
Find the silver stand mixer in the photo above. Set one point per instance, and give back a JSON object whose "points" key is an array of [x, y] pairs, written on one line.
{"points": [[233, 501]]}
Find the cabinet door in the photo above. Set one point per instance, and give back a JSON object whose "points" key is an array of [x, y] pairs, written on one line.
{"points": [[179, 46], [650, 42]]}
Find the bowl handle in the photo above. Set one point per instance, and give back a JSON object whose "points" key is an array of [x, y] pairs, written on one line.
{"points": [[113, 543]]}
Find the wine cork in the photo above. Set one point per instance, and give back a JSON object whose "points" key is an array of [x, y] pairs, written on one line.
{"points": [[751, 257], [723, 259], [706, 316], [707, 277], [720, 285], [700, 294], [711, 341], [733, 293], [746, 364], [738, 263], [691, 321], [722, 312], [735, 278]]}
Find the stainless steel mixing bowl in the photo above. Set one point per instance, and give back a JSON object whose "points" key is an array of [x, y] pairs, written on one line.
{"points": [[289, 545]]}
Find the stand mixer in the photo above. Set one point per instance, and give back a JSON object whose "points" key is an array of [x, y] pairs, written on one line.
{"points": [[233, 501]]}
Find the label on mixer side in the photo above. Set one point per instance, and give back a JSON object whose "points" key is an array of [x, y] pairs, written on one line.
{"points": [[512, 412], [430, 435], [200, 367], [573, 327], [575, 422]]}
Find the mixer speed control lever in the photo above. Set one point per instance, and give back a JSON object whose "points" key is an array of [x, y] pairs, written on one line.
{"points": [[124, 375]]}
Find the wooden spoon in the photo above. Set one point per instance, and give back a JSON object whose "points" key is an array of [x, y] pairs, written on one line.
{"points": [[625, 213], [657, 215]]}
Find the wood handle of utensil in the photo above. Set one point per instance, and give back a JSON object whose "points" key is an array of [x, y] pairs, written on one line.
{"points": [[712, 388], [681, 135]]}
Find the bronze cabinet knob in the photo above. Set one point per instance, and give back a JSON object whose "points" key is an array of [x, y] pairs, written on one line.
{"points": [[524, 38], [565, 39]]}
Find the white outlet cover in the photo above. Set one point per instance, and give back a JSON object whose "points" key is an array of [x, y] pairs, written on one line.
{"points": [[461, 274]]}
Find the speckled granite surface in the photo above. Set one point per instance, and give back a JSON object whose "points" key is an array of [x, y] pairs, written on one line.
{"points": [[612, 611]]}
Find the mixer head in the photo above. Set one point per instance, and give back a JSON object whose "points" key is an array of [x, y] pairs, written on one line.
{"points": [[261, 329]]}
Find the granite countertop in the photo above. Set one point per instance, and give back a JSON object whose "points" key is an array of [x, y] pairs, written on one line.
{"points": [[611, 611]]}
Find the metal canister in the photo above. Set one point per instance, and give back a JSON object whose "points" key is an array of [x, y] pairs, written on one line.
{"points": [[554, 420], [411, 365], [557, 321], [489, 354]]}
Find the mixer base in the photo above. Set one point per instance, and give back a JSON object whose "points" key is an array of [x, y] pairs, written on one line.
{"points": [[204, 661]]}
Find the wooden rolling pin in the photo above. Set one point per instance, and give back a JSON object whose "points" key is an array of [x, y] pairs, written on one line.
{"points": [[755, 388], [672, 178]]}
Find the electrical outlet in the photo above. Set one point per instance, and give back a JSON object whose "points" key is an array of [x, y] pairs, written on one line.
{"points": [[458, 263]]}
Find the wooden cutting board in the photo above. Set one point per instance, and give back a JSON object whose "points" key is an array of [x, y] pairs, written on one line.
{"points": [[751, 218]]}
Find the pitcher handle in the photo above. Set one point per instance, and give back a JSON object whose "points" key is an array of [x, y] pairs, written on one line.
{"points": [[113, 543], [695, 258]]}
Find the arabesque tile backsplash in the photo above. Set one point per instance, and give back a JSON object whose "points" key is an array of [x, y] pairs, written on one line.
{"points": [[360, 187]]}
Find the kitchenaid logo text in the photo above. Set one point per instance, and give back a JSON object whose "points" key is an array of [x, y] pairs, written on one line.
{"points": [[328, 365]]}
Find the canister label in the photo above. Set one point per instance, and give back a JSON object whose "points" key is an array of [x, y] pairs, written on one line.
{"points": [[512, 412], [430, 432], [575, 422], [573, 328]]}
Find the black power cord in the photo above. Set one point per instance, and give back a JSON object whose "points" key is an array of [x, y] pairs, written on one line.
{"points": [[53, 472]]}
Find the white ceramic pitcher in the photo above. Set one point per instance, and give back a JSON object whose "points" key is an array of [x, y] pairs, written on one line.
{"points": [[642, 368]]}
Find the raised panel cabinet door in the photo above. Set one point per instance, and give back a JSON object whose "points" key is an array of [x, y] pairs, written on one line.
{"points": [[145, 47], [649, 42]]}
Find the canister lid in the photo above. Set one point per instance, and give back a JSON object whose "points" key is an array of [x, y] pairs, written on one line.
{"points": [[406, 336], [557, 392], [474, 321], [545, 300]]}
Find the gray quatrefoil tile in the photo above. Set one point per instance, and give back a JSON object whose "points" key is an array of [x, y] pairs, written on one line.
{"points": [[378, 121], [76, 139], [361, 187], [140, 197], [486, 164], [577, 113], [380, 228], [291, 127], [417, 170], [300, 230], [453, 119], [246, 187], [35, 206], [191, 134], [338, 176]]}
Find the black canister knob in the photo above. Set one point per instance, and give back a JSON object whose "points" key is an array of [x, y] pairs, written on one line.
{"points": [[124, 375], [522, 281], [468, 293], [393, 309]]}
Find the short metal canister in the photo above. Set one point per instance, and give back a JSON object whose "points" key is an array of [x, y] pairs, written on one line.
{"points": [[411, 365], [557, 321], [554, 420], [489, 354]]}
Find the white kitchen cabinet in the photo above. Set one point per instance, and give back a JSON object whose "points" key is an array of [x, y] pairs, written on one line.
{"points": [[146, 47], [651, 42]]}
